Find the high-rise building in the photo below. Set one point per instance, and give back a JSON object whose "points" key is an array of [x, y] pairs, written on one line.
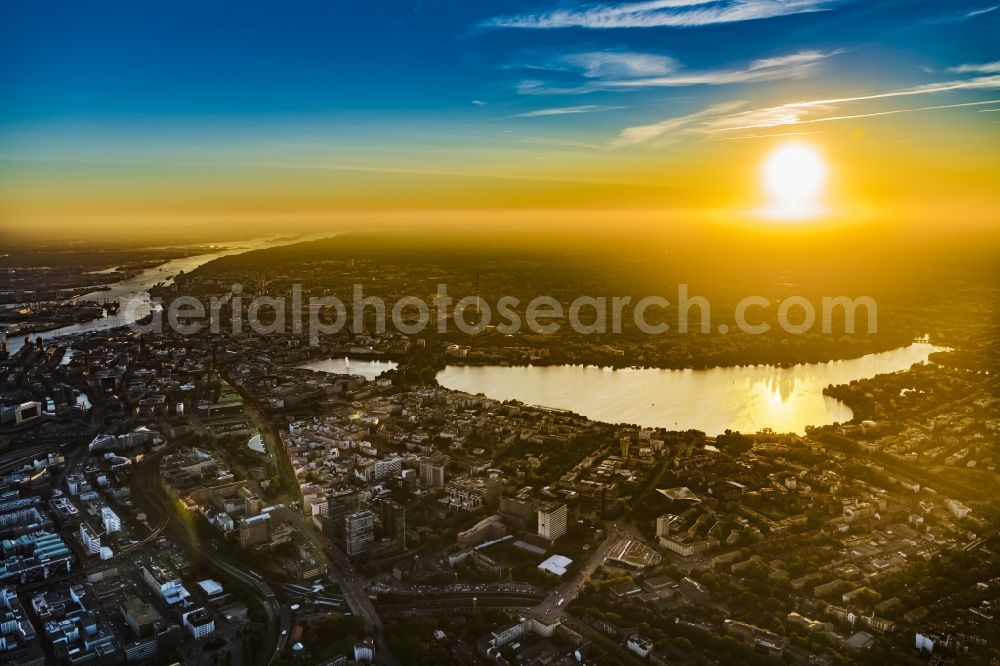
{"points": [[112, 523], [494, 490], [662, 527], [255, 530], [364, 652], [164, 583], [359, 531], [388, 467], [626, 445], [200, 623], [393, 517], [432, 471], [408, 478], [340, 505], [518, 511], [552, 518], [90, 539]]}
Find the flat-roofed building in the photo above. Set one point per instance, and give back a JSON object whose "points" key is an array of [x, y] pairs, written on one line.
{"points": [[432, 471], [163, 582], [112, 523], [255, 530], [556, 565], [340, 505], [359, 531], [393, 519], [764, 641], [552, 519], [90, 539], [139, 616], [199, 623]]}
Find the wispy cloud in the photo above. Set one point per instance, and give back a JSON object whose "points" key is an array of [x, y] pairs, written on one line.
{"points": [[720, 119], [644, 133], [478, 102], [980, 12], [981, 68], [796, 113], [958, 16], [658, 13], [790, 66], [620, 65], [763, 119], [794, 65], [566, 110]]}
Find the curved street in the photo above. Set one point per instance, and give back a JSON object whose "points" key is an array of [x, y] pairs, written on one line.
{"points": [[146, 490]]}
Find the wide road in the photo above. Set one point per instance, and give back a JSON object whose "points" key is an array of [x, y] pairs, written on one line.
{"points": [[553, 606], [352, 586]]}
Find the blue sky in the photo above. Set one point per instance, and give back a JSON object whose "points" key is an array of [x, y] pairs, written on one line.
{"points": [[390, 85], [106, 59]]}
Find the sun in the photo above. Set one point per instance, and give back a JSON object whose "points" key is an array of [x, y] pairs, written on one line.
{"points": [[794, 175]]}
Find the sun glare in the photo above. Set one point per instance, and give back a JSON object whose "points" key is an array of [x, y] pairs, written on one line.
{"points": [[794, 175]]}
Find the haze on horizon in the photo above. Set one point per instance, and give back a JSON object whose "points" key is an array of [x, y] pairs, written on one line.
{"points": [[126, 121]]}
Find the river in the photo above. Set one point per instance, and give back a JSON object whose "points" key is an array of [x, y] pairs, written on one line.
{"points": [[743, 398], [133, 293]]}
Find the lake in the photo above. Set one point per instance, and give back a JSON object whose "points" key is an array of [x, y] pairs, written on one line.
{"points": [[743, 398]]}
